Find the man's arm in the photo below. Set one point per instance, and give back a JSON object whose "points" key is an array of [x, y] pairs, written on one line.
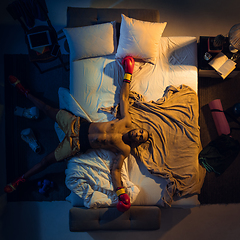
{"points": [[116, 170], [124, 202], [124, 100], [128, 64]]}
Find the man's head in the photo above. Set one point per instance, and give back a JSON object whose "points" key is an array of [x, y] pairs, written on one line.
{"points": [[139, 135]]}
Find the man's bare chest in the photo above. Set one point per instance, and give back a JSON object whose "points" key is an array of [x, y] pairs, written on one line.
{"points": [[107, 135], [105, 140], [112, 127]]}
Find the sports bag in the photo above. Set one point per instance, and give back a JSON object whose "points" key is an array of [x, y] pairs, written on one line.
{"points": [[219, 154]]}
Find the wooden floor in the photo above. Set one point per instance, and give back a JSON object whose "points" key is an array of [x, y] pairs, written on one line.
{"points": [[19, 156], [223, 188]]}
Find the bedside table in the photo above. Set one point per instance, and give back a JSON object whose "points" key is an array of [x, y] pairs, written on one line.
{"points": [[204, 69]]}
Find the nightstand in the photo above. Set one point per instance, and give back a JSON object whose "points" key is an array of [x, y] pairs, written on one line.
{"points": [[204, 69]]}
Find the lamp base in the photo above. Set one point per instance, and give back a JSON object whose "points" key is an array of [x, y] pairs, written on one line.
{"points": [[232, 49]]}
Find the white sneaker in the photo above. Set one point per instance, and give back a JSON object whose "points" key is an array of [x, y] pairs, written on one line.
{"points": [[32, 113], [28, 136]]}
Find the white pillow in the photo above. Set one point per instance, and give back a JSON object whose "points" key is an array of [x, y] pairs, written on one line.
{"points": [[139, 39], [91, 41]]}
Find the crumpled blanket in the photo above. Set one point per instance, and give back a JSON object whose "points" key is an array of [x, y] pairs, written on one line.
{"points": [[88, 175], [174, 144]]}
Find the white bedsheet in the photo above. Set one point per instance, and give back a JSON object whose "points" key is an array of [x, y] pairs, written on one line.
{"points": [[95, 83], [176, 65]]}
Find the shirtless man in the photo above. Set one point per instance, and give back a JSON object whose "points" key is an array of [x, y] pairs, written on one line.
{"points": [[117, 135]]}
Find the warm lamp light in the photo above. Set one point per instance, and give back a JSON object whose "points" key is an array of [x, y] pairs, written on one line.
{"points": [[234, 38]]}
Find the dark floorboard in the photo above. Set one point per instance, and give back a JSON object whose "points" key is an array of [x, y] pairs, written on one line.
{"points": [[19, 155]]}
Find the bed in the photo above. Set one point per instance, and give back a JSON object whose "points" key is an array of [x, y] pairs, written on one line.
{"points": [[164, 172]]}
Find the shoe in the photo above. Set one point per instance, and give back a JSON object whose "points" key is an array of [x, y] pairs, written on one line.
{"points": [[12, 186], [31, 113], [28, 136], [16, 83]]}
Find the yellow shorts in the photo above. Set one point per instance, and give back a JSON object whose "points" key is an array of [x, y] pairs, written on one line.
{"points": [[70, 125]]}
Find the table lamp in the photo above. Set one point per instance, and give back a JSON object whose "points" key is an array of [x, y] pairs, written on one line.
{"points": [[234, 38]]}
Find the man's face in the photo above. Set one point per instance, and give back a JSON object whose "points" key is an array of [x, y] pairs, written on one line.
{"points": [[138, 135]]}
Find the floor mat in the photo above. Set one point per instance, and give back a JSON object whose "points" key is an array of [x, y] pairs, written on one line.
{"points": [[19, 156]]}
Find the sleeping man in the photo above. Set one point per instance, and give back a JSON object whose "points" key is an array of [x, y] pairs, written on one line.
{"points": [[80, 135]]}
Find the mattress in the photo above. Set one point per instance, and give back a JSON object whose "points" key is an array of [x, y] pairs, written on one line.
{"points": [[95, 85], [176, 65]]}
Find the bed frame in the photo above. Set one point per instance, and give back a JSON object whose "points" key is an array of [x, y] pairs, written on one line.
{"points": [[137, 217]]}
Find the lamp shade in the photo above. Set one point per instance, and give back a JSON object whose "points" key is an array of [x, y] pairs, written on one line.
{"points": [[234, 36]]}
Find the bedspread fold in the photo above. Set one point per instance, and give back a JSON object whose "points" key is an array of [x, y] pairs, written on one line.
{"points": [[174, 144]]}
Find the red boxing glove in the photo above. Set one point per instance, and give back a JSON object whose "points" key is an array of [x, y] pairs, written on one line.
{"points": [[128, 63], [124, 200]]}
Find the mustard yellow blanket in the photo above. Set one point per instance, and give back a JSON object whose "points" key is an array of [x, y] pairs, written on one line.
{"points": [[174, 145]]}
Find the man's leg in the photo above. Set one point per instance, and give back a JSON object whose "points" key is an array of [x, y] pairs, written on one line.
{"points": [[39, 167], [48, 110], [49, 159]]}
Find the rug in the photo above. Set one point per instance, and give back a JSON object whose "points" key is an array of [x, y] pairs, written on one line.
{"points": [[19, 156], [221, 189]]}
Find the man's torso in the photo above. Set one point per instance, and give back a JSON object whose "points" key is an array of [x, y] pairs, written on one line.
{"points": [[108, 135]]}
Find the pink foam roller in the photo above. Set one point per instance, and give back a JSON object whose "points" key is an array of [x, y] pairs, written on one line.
{"points": [[219, 118]]}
